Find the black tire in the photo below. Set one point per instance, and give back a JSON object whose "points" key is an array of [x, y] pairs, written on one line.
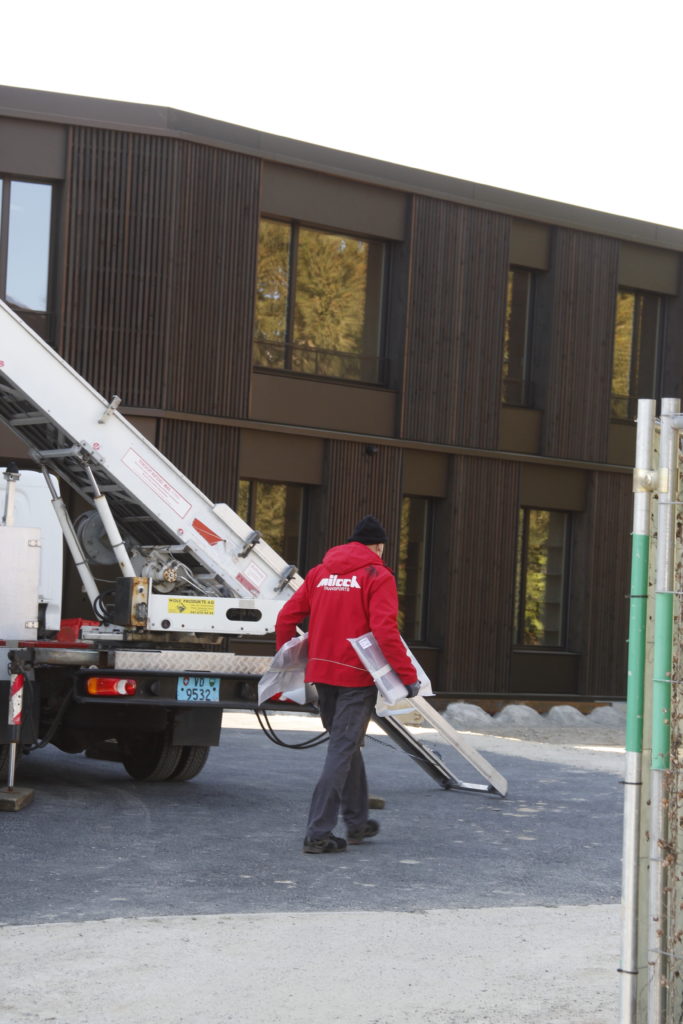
{"points": [[150, 757], [192, 760]]}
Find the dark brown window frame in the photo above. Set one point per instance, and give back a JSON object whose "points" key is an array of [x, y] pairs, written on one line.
{"points": [[420, 635], [250, 515], [523, 345], [644, 370], [521, 580], [41, 321], [377, 374]]}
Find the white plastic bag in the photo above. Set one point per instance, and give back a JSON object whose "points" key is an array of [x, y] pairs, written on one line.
{"points": [[287, 672], [386, 679]]}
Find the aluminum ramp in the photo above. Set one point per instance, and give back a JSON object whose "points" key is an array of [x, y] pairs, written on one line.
{"points": [[430, 760]]}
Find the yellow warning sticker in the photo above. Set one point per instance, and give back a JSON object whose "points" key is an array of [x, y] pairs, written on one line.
{"points": [[191, 606]]}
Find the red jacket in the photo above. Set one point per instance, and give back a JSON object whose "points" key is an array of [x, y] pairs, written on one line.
{"points": [[350, 593]]}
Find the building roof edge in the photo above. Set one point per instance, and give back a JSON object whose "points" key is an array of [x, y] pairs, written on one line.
{"points": [[118, 115]]}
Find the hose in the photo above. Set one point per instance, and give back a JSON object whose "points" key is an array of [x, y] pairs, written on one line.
{"points": [[100, 608], [262, 716], [54, 725]]}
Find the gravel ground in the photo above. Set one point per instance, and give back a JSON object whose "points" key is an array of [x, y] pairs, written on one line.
{"points": [[553, 965]]}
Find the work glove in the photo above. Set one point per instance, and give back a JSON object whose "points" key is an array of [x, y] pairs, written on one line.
{"points": [[413, 689]]}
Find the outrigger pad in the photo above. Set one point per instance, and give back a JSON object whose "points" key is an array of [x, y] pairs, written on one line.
{"points": [[15, 799]]}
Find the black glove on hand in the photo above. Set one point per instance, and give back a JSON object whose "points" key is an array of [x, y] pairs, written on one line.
{"points": [[413, 689]]}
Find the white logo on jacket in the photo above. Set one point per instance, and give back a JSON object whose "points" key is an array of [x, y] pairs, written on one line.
{"points": [[335, 582]]}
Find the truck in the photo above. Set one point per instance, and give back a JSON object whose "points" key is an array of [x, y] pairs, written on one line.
{"points": [[175, 582]]}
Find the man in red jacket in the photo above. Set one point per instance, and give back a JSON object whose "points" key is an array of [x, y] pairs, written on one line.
{"points": [[350, 593]]}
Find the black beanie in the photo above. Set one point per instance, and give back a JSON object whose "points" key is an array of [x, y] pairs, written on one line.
{"points": [[368, 531]]}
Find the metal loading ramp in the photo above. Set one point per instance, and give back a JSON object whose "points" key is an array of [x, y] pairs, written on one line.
{"points": [[430, 760]]}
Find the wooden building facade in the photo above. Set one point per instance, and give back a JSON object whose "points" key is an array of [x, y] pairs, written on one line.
{"points": [[477, 394]]}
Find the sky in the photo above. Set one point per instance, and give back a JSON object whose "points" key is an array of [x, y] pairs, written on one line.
{"points": [[578, 102]]}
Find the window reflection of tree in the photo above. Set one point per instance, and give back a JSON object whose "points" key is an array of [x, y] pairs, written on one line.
{"points": [[411, 577], [275, 510], [272, 293], [637, 326], [516, 341], [540, 584], [318, 298]]}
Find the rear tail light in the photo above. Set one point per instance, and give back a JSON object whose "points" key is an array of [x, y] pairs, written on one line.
{"points": [[103, 686]]}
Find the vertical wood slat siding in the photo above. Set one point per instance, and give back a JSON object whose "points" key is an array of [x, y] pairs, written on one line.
{"points": [[217, 242], [160, 246], [207, 453], [117, 342], [357, 484], [599, 611], [672, 349], [456, 320], [477, 541], [577, 405]]}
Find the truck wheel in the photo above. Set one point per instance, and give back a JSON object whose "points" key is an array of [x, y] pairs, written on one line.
{"points": [[192, 760], [150, 757]]}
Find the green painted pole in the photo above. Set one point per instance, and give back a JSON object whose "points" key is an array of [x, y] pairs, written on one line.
{"points": [[661, 682], [640, 550]]}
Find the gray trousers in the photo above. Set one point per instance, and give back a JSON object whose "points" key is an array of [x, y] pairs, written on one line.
{"points": [[345, 712]]}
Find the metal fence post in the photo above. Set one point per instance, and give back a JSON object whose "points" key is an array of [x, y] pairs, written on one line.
{"points": [[643, 484], [661, 712]]}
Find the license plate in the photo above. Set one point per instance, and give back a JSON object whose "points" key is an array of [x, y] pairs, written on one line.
{"points": [[198, 688]]}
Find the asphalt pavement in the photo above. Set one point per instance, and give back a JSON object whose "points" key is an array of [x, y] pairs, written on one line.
{"points": [[95, 845]]}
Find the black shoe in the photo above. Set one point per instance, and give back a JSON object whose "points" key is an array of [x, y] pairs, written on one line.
{"points": [[329, 844], [371, 829]]}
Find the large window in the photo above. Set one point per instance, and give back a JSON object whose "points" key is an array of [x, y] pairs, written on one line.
{"points": [[276, 511], [517, 342], [318, 302], [541, 578], [25, 232], [412, 576], [637, 330]]}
